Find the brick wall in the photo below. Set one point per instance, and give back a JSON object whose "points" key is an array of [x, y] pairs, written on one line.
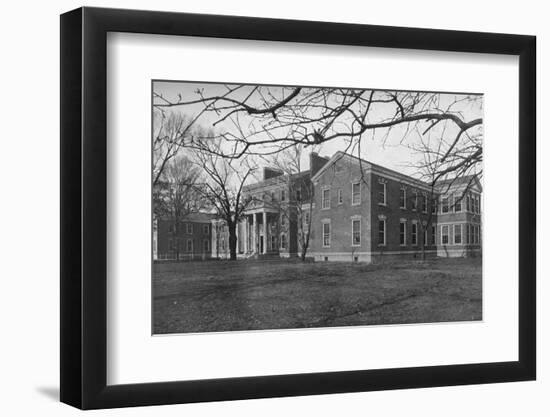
{"points": [[338, 180], [166, 240]]}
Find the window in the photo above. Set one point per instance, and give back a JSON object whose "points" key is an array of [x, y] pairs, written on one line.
{"points": [[326, 235], [189, 245], [414, 201], [206, 245], [468, 207], [299, 194], [425, 241], [205, 229], [458, 204], [381, 232], [403, 233], [434, 206], [382, 192], [444, 205], [326, 198], [283, 220], [273, 242], [283, 195], [476, 235], [223, 244], [283, 241], [414, 234], [340, 197], [444, 235], [424, 203], [458, 234], [477, 204], [403, 198], [356, 232], [272, 195], [355, 193], [306, 218], [189, 228], [433, 235]]}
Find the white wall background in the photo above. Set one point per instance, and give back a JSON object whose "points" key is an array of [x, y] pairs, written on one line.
{"points": [[29, 177]]}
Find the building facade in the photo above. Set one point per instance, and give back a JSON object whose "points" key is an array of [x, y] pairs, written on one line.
{"points": [[357, 211], [274, 221], [342, 209], [191, 239]]}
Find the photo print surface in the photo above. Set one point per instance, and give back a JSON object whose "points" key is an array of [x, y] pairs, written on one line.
{"points": [[291, 207]]}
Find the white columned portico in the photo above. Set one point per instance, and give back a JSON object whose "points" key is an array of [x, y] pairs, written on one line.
{"points": [[254, 234], [245, 232], [264, 214]]}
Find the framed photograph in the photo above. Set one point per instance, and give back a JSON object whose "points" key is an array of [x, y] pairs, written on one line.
{"points": [[257, 208]]}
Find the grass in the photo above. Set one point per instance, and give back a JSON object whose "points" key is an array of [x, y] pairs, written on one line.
{"points": [[252, 295]]}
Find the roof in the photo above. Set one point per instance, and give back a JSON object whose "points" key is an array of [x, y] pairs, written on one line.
{"points": [[199, 217], [459, 181], [278, 180], [378, 169]]}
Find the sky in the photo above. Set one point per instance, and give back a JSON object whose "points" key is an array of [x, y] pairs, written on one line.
{"points": [[391, 154]]}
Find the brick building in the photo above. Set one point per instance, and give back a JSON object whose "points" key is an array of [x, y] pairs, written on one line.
{"points": [[353, 210], [357, 211], [270, 224], [191, 241]]}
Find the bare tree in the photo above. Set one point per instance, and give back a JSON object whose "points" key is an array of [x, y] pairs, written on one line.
{"points": [[442, 166], [267, 119], [170, 132], [298, 207], [175, 195], [223, 185]]}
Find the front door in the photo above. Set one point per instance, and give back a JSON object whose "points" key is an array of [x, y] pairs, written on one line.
{"points": [[261, 244]]}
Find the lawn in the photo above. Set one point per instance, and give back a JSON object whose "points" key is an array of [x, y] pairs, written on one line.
{"points": [[251, 294]]}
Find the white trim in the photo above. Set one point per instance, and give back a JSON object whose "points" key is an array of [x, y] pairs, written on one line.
{"points": [[404, 222], [323, 222], [461, 202], [353, 244], [415, 201], [360, 196], [323, 189], [461, 235], [382, 181], [448, 234], [404, 189], [381, 218], [394, 252], [414, 232]]}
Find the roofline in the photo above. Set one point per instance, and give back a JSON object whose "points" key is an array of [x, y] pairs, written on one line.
{"points": [[373, 168]]}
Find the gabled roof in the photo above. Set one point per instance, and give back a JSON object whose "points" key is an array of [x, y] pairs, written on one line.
{"points": [[459, 182], [367, 165], [199, 217]]}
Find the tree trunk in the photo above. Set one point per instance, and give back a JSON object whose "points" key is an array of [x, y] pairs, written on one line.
{"points": [[232, 227]]}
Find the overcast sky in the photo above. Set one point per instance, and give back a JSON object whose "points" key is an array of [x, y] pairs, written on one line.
{"points": [[392, 154]]}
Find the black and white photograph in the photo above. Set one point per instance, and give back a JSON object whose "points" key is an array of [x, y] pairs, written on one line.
{"points": [[293, 207]]}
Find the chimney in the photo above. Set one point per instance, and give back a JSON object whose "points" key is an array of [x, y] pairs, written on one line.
{"points": [[316, 162]]}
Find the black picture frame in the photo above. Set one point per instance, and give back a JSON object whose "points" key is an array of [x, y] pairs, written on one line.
{"points": [[84, 207]]}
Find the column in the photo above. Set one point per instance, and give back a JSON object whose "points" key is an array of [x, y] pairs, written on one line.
{"points": [[265, 230], [238, 235], [254, 234], [245, 244]]}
